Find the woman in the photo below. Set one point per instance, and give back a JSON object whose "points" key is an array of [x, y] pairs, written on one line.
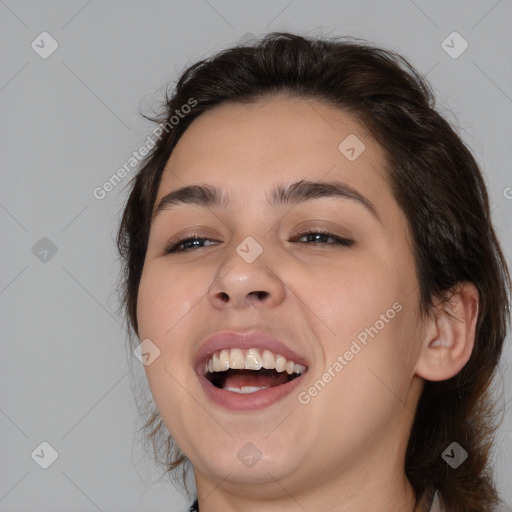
{"points": [[312, 270]]}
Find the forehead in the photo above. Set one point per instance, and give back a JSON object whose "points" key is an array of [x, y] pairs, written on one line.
{"points": [[250, 147]]}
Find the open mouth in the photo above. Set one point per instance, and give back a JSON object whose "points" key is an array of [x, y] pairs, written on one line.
{"points": [[249, 381], [250, 371]]}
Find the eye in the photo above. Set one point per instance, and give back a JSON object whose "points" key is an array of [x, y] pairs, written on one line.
{"points": [[195, 241], [177, 246], [325, 234]]}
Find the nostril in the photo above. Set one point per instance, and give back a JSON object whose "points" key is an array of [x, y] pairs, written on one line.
{"points": [[261, 295]]}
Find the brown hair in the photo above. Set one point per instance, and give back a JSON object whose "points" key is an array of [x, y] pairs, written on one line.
{"points": [[435, 181]]}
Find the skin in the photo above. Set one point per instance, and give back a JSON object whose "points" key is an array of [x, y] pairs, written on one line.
{"points": [[345, 449]]}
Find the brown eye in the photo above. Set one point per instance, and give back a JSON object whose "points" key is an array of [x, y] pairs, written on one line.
{"points": [[320, 234]]}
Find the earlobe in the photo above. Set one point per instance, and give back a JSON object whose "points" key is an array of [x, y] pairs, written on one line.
{"points": [[450, 334]]}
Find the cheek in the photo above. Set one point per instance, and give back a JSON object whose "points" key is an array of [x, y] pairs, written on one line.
{"points": [[165, 299], [354, 298], [165, 302], [371, 379], [371, 316]]}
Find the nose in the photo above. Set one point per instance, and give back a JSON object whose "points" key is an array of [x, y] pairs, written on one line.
{"points": [[240, 284]]}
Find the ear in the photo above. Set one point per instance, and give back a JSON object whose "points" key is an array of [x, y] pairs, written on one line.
{"points": [[449, 334]]}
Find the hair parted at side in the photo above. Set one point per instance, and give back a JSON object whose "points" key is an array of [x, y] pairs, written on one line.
{"points": [[435, 181]]}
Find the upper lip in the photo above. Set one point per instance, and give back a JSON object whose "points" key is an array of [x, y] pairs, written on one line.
{"points": [[244, 340]]}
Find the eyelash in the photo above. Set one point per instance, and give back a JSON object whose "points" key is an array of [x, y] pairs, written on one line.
{"points": [[172, 248]]}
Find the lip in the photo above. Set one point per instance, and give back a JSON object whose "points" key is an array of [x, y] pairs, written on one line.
{"points": [[245, 340], [248, 401]]}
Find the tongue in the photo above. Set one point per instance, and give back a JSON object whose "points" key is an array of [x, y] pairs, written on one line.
{"points": [[241, 378]]}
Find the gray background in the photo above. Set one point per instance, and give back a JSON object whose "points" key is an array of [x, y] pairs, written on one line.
{"points": [[69, 121]]}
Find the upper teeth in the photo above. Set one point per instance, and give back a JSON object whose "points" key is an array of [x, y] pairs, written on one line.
{"points": [[253, 360]]}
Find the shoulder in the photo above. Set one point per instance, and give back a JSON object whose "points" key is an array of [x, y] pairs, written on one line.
{"points": [[194, 507]]}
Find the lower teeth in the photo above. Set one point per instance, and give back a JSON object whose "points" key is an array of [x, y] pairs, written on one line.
{"points": [[246, 389]]}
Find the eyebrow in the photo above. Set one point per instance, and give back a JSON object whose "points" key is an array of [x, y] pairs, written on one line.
{"points": [[291, 193]]}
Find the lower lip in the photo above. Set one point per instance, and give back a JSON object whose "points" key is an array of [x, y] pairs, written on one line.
{"points": [[248, 401]]}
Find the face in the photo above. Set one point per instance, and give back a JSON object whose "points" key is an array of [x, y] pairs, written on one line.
{"points": [[343, 306]]}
